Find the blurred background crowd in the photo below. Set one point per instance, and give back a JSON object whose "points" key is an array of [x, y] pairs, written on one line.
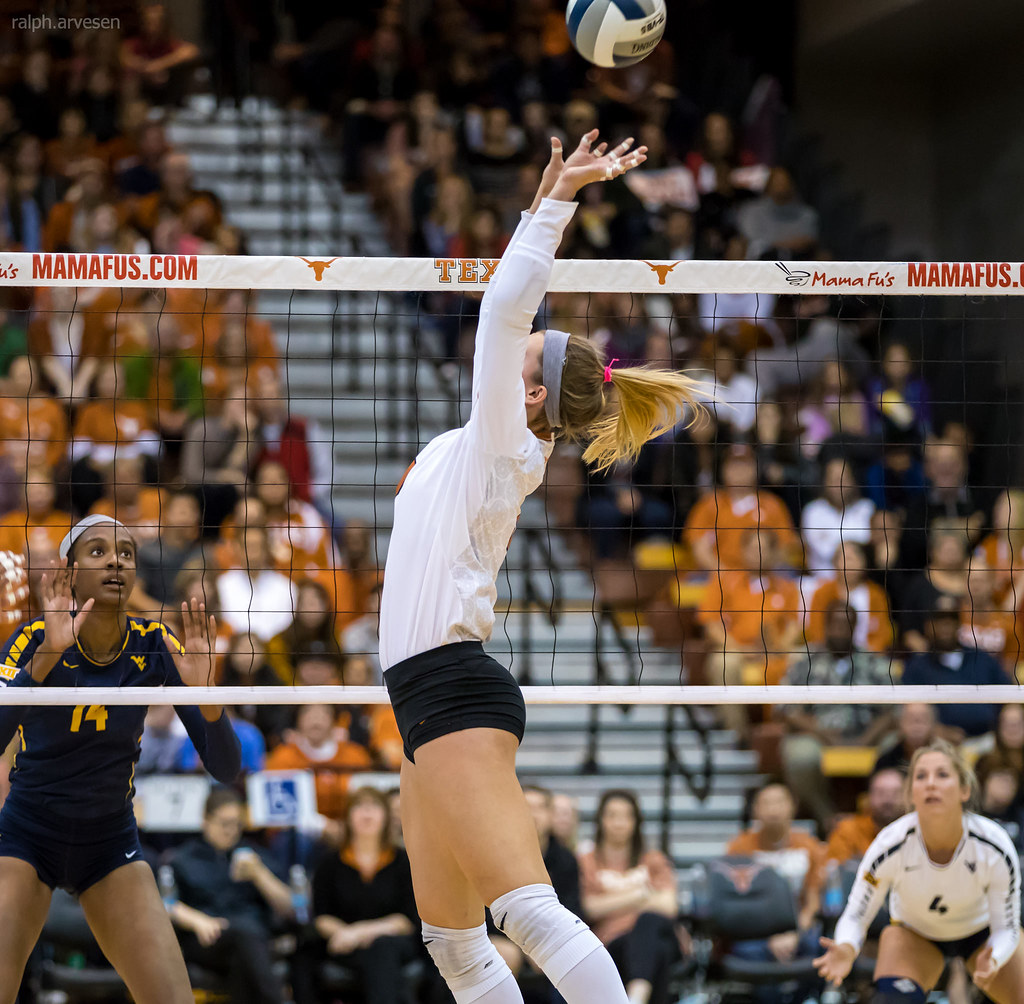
{"points": [[830, 521]]}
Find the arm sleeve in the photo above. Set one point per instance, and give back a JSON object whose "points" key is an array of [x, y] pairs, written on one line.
{"points": [[215, 742], [1004, 902], [15, 657], [498, 417], [488, 299], [874, 877]]}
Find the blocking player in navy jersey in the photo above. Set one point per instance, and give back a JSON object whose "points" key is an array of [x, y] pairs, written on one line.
{"points": [[953, 879], [68, 820]]}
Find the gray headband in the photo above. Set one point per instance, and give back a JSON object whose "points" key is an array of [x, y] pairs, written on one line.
{"points": [[79, 528], [555, 344]]}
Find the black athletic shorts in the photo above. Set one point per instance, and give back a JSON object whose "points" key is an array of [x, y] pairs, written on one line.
{"points": [[452, 688], [71, 854], [962, 948]]}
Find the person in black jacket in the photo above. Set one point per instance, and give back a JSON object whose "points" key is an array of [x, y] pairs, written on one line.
{"points": [[363, 901], [230, 897], [562, 867]]}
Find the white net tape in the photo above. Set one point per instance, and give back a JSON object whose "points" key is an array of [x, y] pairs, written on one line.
{"points": [[640, 694], [467, 274]]}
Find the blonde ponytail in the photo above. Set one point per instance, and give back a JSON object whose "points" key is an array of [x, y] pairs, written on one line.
{"points": [[645, 403], [614, 418]]}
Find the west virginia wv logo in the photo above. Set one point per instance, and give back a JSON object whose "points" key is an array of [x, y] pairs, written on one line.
{"points": [[318, 267], [140, 661]]}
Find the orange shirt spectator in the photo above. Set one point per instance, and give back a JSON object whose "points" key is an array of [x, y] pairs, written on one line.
{"points": [[1003, 549], [319, 745], [753, 614], [852, 835], [37, 530], [984, 623], [33, 425], [794, 854], [109, 424], [295, 527], [874, 631], [715, 525], [141, 514]]}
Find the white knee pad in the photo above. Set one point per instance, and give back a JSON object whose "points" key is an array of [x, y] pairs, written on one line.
{"points": [[466, 959], [554, 937]]}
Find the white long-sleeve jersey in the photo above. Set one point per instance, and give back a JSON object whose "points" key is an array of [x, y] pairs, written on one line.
{"points": [[459, 503], [978, 888]]}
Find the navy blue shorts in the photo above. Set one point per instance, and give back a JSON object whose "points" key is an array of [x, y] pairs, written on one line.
{"points": [[962, 948], [70, 854], [450, 689]]}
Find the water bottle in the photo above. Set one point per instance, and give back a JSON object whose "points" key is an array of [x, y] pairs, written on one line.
{"points": [[168, 886], [299, 883], [701, 893], [832, 905], [686, 893]]}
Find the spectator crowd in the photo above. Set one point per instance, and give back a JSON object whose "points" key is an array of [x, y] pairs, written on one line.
{"points": [[822, 524]]}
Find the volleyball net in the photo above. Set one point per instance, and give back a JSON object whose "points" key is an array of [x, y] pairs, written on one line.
{"points": [[847, 507]]}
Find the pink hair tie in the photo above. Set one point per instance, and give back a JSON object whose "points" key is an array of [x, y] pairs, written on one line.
{"points": [[608, 371]]}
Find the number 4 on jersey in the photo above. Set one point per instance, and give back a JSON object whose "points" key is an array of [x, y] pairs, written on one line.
{"points": [[938, 906], [95, 713]]}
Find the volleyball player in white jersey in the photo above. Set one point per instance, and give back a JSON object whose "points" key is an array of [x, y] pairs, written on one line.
{"points": [[953, 879], [468, 829]]}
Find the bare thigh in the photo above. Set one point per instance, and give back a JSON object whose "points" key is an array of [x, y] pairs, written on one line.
{"points": [[902, 953], [444, 896], [1008, 986], [24, 903], [466, 785], [128, 918]]}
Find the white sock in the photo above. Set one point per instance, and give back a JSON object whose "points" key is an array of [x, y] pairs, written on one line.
{"points": [[568, 952], [471, 966]]}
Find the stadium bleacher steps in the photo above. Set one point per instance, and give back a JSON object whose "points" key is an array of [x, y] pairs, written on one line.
{"points": [[272, 172]]}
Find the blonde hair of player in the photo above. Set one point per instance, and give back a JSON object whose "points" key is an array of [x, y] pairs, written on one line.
{"points": [[962, 769], [616, 411]]}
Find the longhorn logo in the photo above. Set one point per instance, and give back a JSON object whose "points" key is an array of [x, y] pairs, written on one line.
{"points": [[740, 876], [661, 270], [319, 267]]}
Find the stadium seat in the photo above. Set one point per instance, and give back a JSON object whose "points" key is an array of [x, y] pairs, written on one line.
{"points": [[338, 979], [749, 900], [78, 974]]}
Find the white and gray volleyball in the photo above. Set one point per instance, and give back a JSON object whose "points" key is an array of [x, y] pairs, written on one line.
{"points": [[615, 32]]}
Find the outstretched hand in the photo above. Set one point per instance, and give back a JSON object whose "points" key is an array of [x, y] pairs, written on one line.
{"points": [[61, 623], [195, 663], [835, 965], [588, 164], [985, 969]]}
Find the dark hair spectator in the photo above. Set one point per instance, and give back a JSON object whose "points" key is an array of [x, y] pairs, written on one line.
{"points": [[629, 897]]}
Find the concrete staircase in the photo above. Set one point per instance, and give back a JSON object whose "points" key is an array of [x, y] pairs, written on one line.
{"points": [[351, 365]]}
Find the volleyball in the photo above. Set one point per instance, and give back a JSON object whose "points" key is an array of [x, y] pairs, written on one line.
{"points": [[615, 32]]}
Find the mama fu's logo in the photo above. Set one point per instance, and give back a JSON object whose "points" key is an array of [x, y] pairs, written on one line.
{"points": [[795, 277]]}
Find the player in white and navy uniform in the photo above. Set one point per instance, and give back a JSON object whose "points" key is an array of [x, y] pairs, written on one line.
{"points": [[953, 881], [467, 826]]}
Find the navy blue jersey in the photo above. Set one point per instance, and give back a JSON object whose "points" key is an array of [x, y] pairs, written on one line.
{"points": [[80, 761]]}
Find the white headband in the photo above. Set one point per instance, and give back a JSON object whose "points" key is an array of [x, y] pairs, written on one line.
{"points": [[79, 528], [555, 344]]}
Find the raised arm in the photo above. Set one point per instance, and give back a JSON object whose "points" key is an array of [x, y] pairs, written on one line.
{"points": [[517, 288]]}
